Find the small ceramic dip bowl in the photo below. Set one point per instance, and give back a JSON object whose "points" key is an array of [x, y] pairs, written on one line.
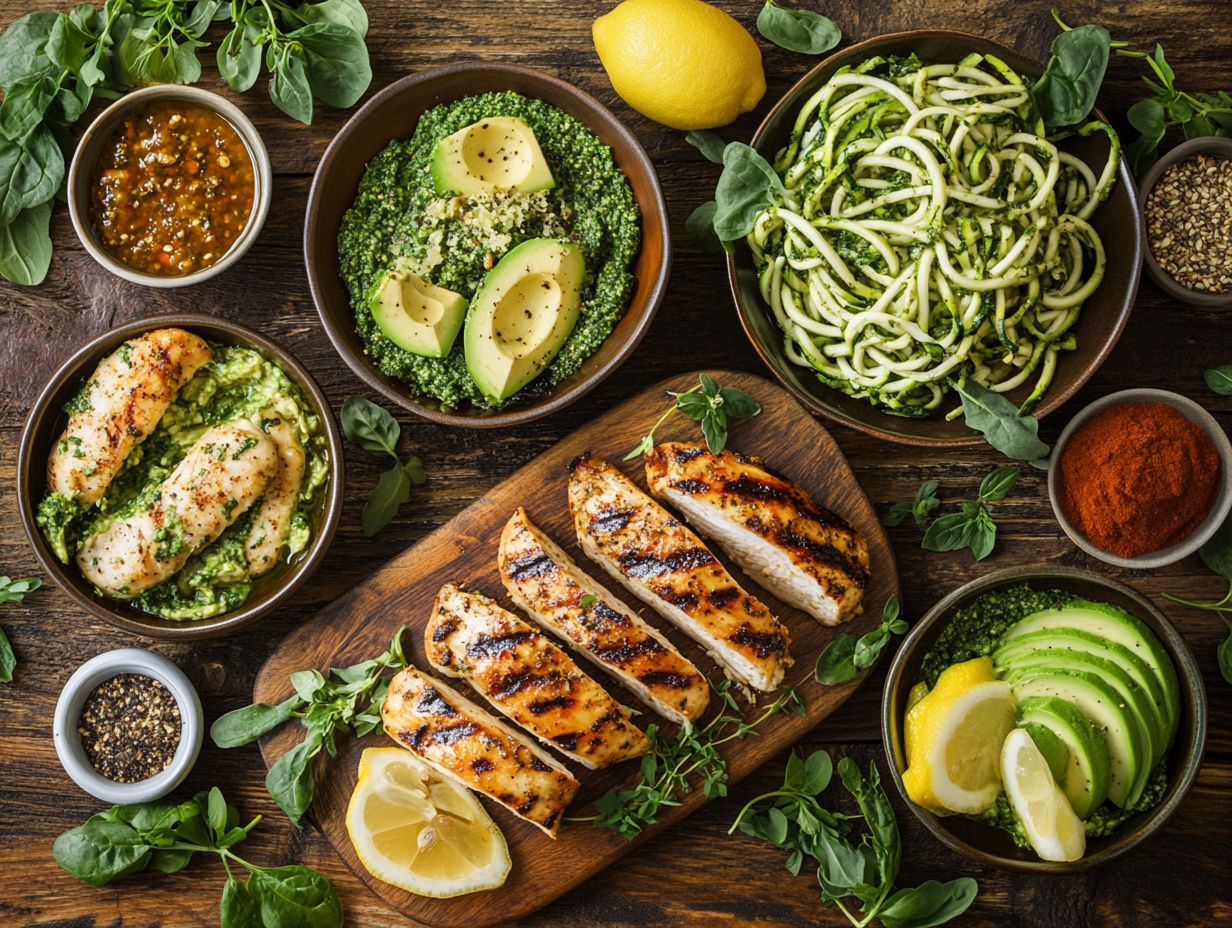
{"points": [[84, 173], [87, 678], [1200, 535]]}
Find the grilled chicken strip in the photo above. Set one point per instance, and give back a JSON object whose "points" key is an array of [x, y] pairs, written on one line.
{"points": [[544, 581], [805, 555], [528, 679], [118, 407], [665, 565], [217, 481], [271, 523], [462, 741]]}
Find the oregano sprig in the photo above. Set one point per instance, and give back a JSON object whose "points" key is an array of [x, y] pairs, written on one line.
{"points": [[374, 429], [709, 405]]}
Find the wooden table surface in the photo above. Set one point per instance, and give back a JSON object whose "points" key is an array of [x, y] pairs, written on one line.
{"points": [[695, 875]]}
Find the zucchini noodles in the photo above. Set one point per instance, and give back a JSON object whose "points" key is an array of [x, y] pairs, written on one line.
{"points": [[930, 234]]}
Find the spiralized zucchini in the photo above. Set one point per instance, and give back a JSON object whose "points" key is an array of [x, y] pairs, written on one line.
{"points": [[930, 234]]}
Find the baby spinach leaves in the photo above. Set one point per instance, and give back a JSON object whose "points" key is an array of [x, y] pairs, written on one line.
{"points": [[798, 30], [846, 655], [710, 406], [1066, 92], [1219, 379], [973, 527], [864, 866], [348, 699], [747, 186], [919, 508], [1216, 554], [374, 429], [1004, 426], [12, 591], [164, 836]]}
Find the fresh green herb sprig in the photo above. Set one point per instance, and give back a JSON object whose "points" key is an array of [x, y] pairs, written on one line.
{"points": [[165, 835], [796, 30], [919, 509], [1219, 379], [1004, 426], [374, 429], [12, 591], [1065, 94], [792, 818], [710, 406], [845, 656], [693, 753], [348, 699], [973, 527], [1216, 554]]}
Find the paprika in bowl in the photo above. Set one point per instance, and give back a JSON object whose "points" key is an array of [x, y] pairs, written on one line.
{"points": [[1141, 478]]}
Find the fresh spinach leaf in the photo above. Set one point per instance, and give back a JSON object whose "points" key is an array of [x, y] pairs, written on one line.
{"points": [[700, 228], [708, 143], [920, 509], [239, 61], [289, 86], [349, 13], [1219, 379], [845, 656], [8, 660], [997, 484], [1013, 434], [798, 30], [243, 726], [336, 59], [295, 897], [374, 429], [1066, 92], [747, 186], [928, 904]]}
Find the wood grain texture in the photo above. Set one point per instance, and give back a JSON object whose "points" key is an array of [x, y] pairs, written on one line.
{"points": [[360, 624], [694, 875]]}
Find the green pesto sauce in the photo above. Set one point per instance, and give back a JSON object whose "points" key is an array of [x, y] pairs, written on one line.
{"points": [[387, 225], [235, 383], [975, 631]]}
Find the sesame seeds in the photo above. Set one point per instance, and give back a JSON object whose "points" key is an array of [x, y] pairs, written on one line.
{"points": [[1189, 223], [130, 727]]}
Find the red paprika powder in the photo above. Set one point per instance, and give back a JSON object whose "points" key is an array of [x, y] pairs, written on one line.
{"points": [[1139, 477]]}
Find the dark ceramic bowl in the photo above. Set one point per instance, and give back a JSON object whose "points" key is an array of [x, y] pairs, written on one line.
{"points": [[47, 420], [990, 845], [1118, 222], [393, 114]]}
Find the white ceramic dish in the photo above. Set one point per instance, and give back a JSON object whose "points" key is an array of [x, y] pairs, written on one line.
{"points": [[68, 709]]}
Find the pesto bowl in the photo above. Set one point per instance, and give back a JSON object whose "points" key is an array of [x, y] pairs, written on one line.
{"points": [[46, 422], [394, 114], [985, 843]]}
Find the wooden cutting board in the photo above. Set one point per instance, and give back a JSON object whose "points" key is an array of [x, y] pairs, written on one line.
{"points": [[359, 625]]}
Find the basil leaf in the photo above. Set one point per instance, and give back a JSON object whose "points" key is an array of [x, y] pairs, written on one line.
{"points": [[25, 246], [1216, 554], [30, 172], [238, 908], [864, 655], [797, 30], [101, 851], [1224, 655], [8, 661], [1148, 117], [983, 535], [925, 501], [170, 860], [747, 186], [295, 897], [836, 662], [997, 484], [216, 813], [337, 64], [414, 468], [1066, 92], [737, 404], [842, 867], [818, 769], [349, 13], [370, 426], [928, 904], [700, 228], [714, 429], [239, 58], [1219, 379], [1013, 434], [948, 533], [708, 143], [693, 405], [246, 725], [289, 87], [391, 491], [896, 515]]}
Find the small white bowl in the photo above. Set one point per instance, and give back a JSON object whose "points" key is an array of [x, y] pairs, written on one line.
{"points": [[83, 682], [1200, 535], [98, 134]]}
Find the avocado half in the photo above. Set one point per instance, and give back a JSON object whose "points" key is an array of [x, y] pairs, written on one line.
{"points": [[416, 315], [497, 153]]}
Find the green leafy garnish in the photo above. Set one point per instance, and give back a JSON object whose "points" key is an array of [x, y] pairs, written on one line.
{"points": [[710, 406], [1065, 94], [919, 509], [164, 836], [348, 699], [1004, 426], [973, 527], [700, 228], [1216, 554], [374, 429], [708, 143], [12, 591], [798, 30], [1219, 379], [864, 868], [747, 186], [845, 656]]}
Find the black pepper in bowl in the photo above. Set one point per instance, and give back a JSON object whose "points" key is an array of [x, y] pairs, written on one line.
{"points": [[130, 727], [1189, 223]]}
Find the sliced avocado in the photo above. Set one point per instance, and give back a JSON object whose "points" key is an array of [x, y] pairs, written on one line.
{"points": [[1087, 765], [1073, 639], [1052, 748], [416, 315], [1132, 696], [522, 314], [1116, 625], [497, 153], [1101, 704]]}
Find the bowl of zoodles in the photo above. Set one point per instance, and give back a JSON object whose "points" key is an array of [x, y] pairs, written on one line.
{"points": [[930, 235]]}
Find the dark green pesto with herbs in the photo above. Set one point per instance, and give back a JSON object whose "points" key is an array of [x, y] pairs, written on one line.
{"points": [[975, 631], [237, 382], [399, 220]]}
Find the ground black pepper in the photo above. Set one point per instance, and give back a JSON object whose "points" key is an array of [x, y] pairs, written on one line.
{"points": [[130, 727]]}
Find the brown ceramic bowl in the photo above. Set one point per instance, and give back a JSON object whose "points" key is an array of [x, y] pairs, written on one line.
{"points": [[393, 114], [990, 845], [46, 422], [1118, 222]]}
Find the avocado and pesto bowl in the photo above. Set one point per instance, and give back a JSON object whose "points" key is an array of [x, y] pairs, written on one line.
{"points": [[485, 243], [180, 476], [1043, 719]]}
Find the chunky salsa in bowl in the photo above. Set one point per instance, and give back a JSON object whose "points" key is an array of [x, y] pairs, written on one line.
{"points": [[169, 186]]}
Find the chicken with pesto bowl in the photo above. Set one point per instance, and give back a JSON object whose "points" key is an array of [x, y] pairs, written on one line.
{"points": [[185, 472], [489, 255]]}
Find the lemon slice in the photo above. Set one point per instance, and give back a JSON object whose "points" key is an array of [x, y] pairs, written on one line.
{"points": [[954, 736], [420, 832], [1047, 817]]}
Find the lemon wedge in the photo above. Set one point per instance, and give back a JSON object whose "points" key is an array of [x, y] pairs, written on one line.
{"points": [[953, 737], [420, 832], [1047, 817]]}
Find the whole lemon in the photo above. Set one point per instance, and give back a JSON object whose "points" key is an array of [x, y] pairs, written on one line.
{"points": [[683, 63]]}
